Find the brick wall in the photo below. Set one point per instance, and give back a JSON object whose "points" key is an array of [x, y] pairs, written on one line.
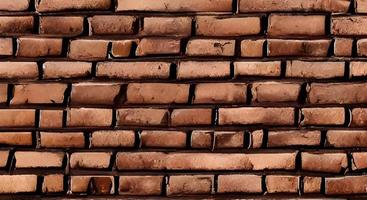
{"points": [[167, 98]]}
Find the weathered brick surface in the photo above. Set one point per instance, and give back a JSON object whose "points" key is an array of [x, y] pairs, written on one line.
{"points": [[61, 5], [12, 25], [324, 162], [80, 117], [11, 184], [172, 26], [290, 25], [94, 94], [346, 185], [157, 46], [127, 70], [101, 139], [220, 93], [282, 184], [323, 116], [317, 70], [99, 160], [53, 183], [267, 69], [109, 24], [166, 139], [28, 159], [238, 183], [55, 70], [275, 92], [293, 138], [51, 93], [84, 49], [184, 185], [39, 47], [308, 48], [62, 139], [142, 117], [345, 138], [210, 47], [66, 26], [203, 70], [336, 93], [140, 185]]}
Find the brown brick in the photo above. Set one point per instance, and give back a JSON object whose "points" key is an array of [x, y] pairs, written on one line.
{"points": [[84, 49], [56, 70], [62, 139], [345, 185], [234, 93], [337, 93], [312, 184], [228, 139], [323, 116], [346, 138], [23, 183], [359, 160], [257, 139], [157, 93], [239, 183], [140, 185], [3, 93], [11, 5], [360, 6], [338, 6], [202, 139], [163, 139], [134, 70], [343, 46], [111, 24], [167, 26], [37, 93], [18, 70], [53, 183], [38, 47], [29, 159], [94, 93], [282, 184], [324, 162], [94, 185], [140, 160], [61, 5], [275, 92], [359, 117], [186, 184], [198, 116], [317, 70], [256, 115], [362, 47], [296, 25], [294, 138], [201, 70], [51, 118], [142, 117], [14, 25], [66, 25], [98, 160], [175, 5], [16, 138], [252, 48], [121, 48], [268, 69], [4, 155], [210, 47], [349, 25], [17, 118], [227, 26], [311, 48], [6, 46], [357, 69], [115, 138], [156, 46], [80, 117]]}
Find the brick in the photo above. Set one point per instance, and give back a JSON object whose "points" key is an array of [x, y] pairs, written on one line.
{"points": [[175, 5], [337, 93], [257, 139], [360, 6], [296, 25], [121, 48], [15, 25], [346, 138], [316, 70], [142, 117], [95, 93], [201, 70], [210, 47], [163, 139], [39, 47], [234, 93], [17, 118], [310, 48], [357, 69], [275, 92], [90, 117], [324, 162], [268, 69], [359, 117], [53, 183], [239, 183], [282, 184], [10, 184], [323, 116], [338, 6], [185, 117], [185, 185], [3, 93], [56, 70], [202, 139], [6, 46], [61, 5], [4, 155], [312, 184], [294, 138], [140, 161], [140, 185], [157, 93], [362, 47], [16, 138], [29, 159], [51, 118], [116, 138], [11, 5], [134, 70], [66, 25], [111, 24], [89, 50], [229, 139], [18, 70], [345, 185], [34, 93], [157, 46], [256, 115], [93, 185], [62, 139], [349, 25], [359, 160], [227, 26], [88, 160], [343, 47], [167, 26], [252, 48]]}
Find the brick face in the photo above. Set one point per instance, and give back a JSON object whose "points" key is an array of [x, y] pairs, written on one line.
{"points": [[289, 25]]}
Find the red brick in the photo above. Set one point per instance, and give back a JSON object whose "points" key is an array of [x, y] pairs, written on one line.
{"points": [[346, 138], [66, 25], [163, 139], [201, 70], [257, 139], [4, 155], [11, 5], [134, 70], [56, 70], [256, 115], [360, 6], [94, 93], [294, 138], [156, 46], [337, 93], [16, 138], [268, 69], [343, 46], [296, 25], [210, 47], [157, 93], [167, 26], [323, 116], [345, 185], [111, 24], [97, 160], [14, 25], [23, 183], [140, 185], [38, 47], [17, 118], [51, 118], [275, 92], [6, 46], [121, 48], [115, 138], [324, 162], [359, 160], [234, 93], [31, 159], [18, 70], [239, 183], [175, 5], [3, 93], [140, 160], [227, 26], [282, 184], [317, 70], [38, 93], [229, 139], [252, 48], [62, 5], [185, 117], [362, 47], [81, 117], [93, 185], [142, 117], [62, 139], [85, 49], [311, 48], [359, 117], [53, 183], [189, 185], [349, 25], [202, 139], [357, 69], [312, 184]]}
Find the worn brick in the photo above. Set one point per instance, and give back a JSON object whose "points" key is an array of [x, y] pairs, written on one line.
{"points": [[51, 118], [343, 47], [17, 118], [337, 93], [239, 183], [202, 139], [10, 184], [312, 184], [81, 117], [185, 184], [16, 138], [294, 138], [156, 46], [66, 25], [11, 5], [275, 92], [359, 160], [115, 138], [62, 5], [167, 26], [89, 50], [229, 139], [53, 183], [140, 185], [316, 70], [359, 117], [38, 93], [349, 25], [360, 6], [362, 47], [252, 48], [210, 47], [346, 138], [357, 69], [163, 139], [296, 25], [311, 48], [282, 184], [184, 117], [15, 25], [93, 185], [111, 24], [6, 46], [201, 70], [31, 159], [18, 70], [121, 48], [3, 93], [58, 70], [323, 116], [142, 117], [257, 139], [97, 160], [62, 139], [39, 47], [345, 185], [257, 69], [324, 162], [4, 155], [234, 93], [94, 93], [134, 70]]}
